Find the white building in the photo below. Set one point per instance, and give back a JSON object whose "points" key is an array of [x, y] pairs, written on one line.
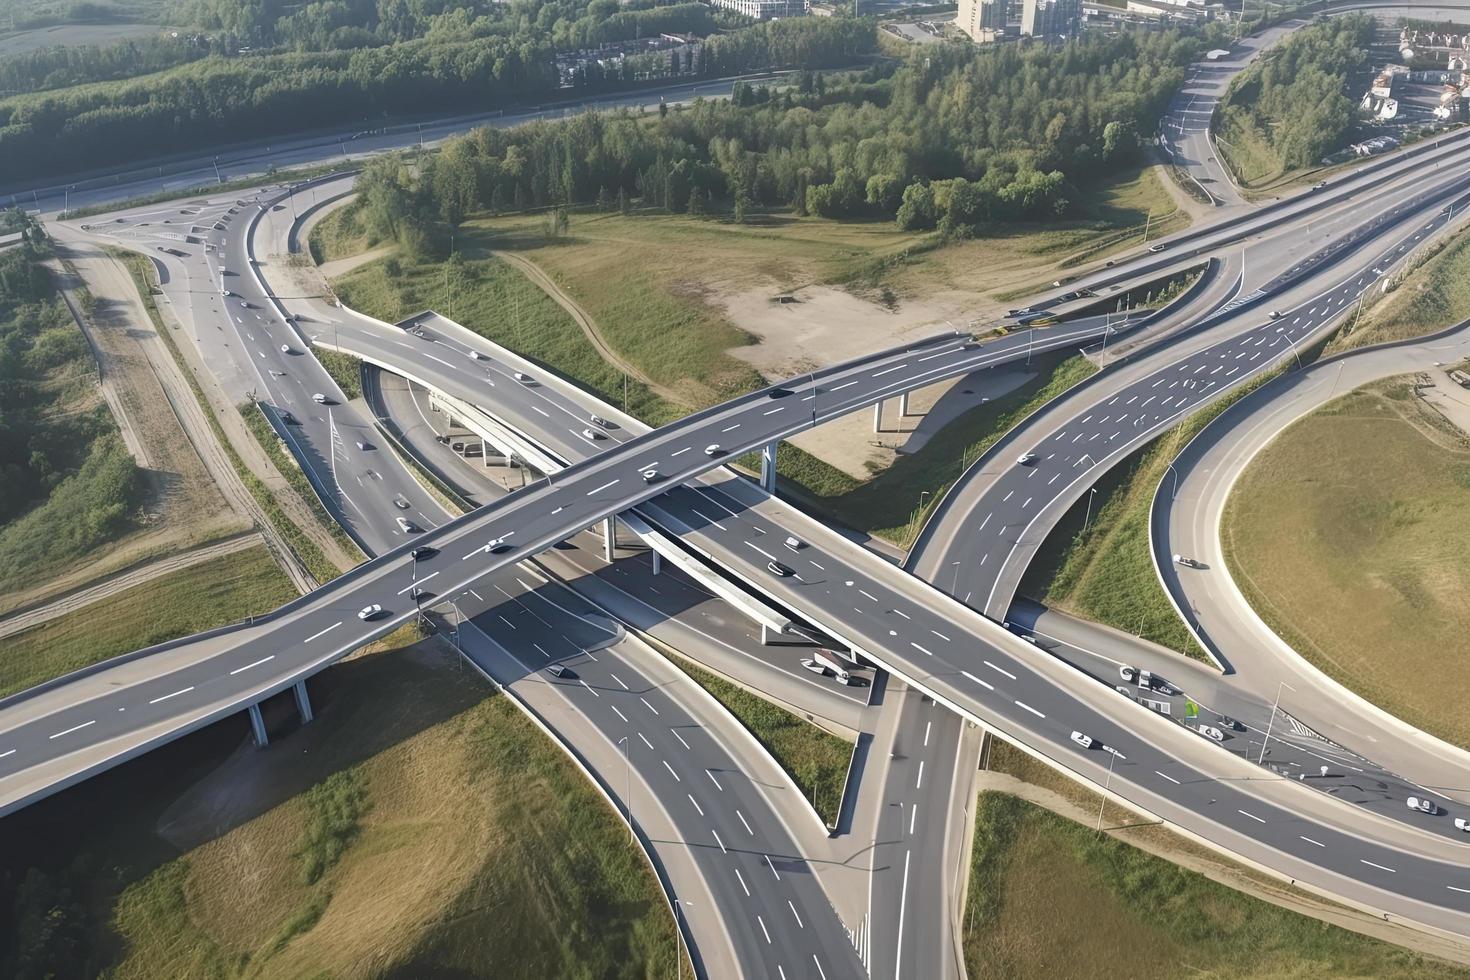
{"points": [[764, 9]]}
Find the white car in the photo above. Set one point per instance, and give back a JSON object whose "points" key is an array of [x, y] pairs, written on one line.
{"points": [[523, 378], [1026, 459], [319, 398], [650, 475], [814, 667], [713, 449], [370, 612], [591, 435], [285, 348], [1186, 562], [1086, 741], [597, 421], [1275, 314], [474, 355], [1422, 804], [406, 526], [1462, 824], [1212, 733]]}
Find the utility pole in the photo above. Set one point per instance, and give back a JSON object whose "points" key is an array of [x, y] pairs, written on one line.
{"points": [[1274, 705], [1112, 757], [1088, 519]]}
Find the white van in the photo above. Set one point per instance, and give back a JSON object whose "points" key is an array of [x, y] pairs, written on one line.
{"points": [[834, 663]]}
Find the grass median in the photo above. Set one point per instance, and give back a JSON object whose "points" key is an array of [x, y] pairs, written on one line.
{"points": [[816, 760], [212, 593], [286, 463]]}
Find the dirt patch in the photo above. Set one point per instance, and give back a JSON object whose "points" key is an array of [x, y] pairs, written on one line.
{"points": [[340, 267]]}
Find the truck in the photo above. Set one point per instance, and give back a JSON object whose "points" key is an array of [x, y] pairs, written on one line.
{"points": [[834, 663]]}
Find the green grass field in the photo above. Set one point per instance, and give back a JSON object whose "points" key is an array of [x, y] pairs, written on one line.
{"points": [[815, 759], [1132, 916], [418, 827], [1348, 534], [1434, 296], [223, 590]]}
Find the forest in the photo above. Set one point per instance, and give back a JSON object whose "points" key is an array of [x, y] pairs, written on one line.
{"points": [[1295, 97], [954, 138], [218, 99]]}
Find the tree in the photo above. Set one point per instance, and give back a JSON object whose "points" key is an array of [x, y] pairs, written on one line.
{"points": [[917, 210], [1120, 143]]}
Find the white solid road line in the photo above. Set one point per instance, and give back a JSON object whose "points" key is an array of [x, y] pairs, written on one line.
{"points": [[919, 783], [241, 670], [649, 706], [645, 740], [743, 887], [1378, 866], [791, 906], [696, 803], [76, 728], [594, 693], [601, 488], [763, 928], [185, 690], [737, 813], [679, 737], [712, 830], [323, 632], [1168, 777], [772, 866], [671, 770], [903, 899], [417, 583], [714, 780], [1251, 815], [7, 752], [1450, 887], [1310, 841]]}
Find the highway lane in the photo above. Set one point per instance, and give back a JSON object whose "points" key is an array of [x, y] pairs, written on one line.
{"points": [[1000, 512]]}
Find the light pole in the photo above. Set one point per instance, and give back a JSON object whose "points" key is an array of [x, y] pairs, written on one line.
{"points": [[1088, 519], [954, 585], [1112, 757], [1175, 492], [628, 789], [922, 495], [1274, 705]]}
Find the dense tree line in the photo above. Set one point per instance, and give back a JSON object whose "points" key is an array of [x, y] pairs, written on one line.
{"points": [[63, 66], [954, 138], [227, 99], [1295, 97]]}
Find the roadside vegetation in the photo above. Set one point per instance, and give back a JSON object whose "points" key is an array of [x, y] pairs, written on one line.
{"points": [[1130, 914], [286, 464], [70, 486], [345, 369], [929, 473], [223, 590], [1348, 535], [816, 760], [1432, 297], [1292, 107], [518, 866]]}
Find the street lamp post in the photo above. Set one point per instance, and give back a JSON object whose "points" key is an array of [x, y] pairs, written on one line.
{"points": [[1175, 492], [628, 788], [1269, 724], [1112, 757], [954, 584], [1088, 519]]}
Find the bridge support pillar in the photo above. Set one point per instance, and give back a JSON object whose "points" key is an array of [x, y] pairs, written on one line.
{"points": [[903, 405], [658, 563], [768, 466], [303, 702], [878, 417], [257, 727], [609, 537]]}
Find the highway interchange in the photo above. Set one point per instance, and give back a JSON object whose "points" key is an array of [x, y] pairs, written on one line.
{"points": [[937, 645]]}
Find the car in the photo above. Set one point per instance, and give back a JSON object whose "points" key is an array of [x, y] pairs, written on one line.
{"points": [[423, 551], [244, 305], [523, 377], [406, 526], [1026, 459], [292, 317], [1423, 804], [778, 393], [285, 348], [556, 670], [591, 435], [1462, 824], [475, 355], [400, 503], [1212, 733], [498, 547], [794, 543], [319, 398], [370, 612], [598, 421], [229, 292], [1187, 562], [1109, 263], [776, 568], [1086, 741], [814, 667], [1275, 314], [289, 419], [1123, 690], [364, 445], [1319, 185], [1229, 724], [1129, 674], [713, 449], [1158, 247], [650, 475]]}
